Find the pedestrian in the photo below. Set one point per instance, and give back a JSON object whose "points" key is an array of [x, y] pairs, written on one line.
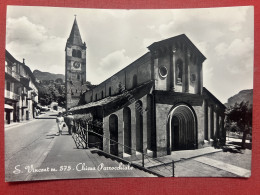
{"points": [[60, 123], [70, 123]]}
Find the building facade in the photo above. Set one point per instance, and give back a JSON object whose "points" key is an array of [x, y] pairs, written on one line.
{"points": [[75, 67], [21, 92], [158, 104]]}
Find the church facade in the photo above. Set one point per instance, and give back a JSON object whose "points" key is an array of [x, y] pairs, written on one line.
{"points": [[157, 104]]}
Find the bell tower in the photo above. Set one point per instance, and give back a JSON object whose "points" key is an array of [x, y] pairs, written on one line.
{"points": [[75, 67]]}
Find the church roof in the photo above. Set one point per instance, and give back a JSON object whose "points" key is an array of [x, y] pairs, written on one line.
{"points": [[211, 96], [179, 38], [119, 99], [75, 37]]}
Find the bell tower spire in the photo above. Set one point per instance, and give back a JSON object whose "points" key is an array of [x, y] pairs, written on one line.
{"points": [[75, 67], [75, 37]]}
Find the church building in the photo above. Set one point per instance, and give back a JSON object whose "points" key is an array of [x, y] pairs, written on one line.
{"points": [[155, 105]]}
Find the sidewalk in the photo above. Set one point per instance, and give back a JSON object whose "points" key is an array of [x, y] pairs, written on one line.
{"points": [[17, 124], [72, 163], [178, 156], [231, 139], [48, 115]]}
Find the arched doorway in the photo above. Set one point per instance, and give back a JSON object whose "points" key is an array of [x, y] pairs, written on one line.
{"points": [[151, 133], [182, 130], [113, 129], [139, 125], [127, 130]]}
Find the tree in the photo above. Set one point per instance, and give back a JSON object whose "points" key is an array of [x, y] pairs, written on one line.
{"points": [[52, 93], [241, 114]]}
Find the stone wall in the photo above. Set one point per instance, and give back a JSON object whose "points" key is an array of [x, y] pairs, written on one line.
{"points": [[124, 79]]}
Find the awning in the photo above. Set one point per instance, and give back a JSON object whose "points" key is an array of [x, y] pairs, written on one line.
{"points": [[8, 107]]}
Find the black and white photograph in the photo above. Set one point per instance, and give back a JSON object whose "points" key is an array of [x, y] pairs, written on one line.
{"points": [[108, 93]]}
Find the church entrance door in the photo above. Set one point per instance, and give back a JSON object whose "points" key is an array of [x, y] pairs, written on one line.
{"points": [[182, 128]]}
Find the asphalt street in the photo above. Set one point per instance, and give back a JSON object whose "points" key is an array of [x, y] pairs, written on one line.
{"points": [[27, 144]]}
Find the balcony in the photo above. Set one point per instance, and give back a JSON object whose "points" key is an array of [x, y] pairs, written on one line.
{"points": [[8, 70], [11, 95], [16, 76], [12, 74]]}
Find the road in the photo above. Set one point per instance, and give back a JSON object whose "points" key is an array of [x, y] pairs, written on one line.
{"points": [[27, 144]]}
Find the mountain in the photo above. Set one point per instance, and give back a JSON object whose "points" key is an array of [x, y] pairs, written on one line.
{"points": [[244, 95], [47, 76]]}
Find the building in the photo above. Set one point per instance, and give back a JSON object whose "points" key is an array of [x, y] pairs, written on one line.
{"points": [[157, 104], [21, 92], [75, 67]]}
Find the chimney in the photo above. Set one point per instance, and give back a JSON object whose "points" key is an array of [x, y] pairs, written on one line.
{"points": [[23, 61]]}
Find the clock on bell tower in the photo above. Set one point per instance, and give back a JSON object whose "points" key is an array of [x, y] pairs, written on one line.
{"points": [[75, 67]]}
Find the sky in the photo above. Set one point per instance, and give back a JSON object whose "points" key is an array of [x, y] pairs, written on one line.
{"points": [[115, 38]]}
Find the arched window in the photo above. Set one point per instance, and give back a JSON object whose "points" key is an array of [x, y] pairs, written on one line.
{"points": [[79, 54], [179, 71], [120, 87], [134, 81], [74, 53], [78, 76], [109, 91]]}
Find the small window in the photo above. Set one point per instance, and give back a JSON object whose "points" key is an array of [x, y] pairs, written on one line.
{"points": [[134, 81], [96, 97], [78, 76], [102, 95], [179, 71], [74, 53], [120, 87], [163, 71], [109, 91], [192, 78], [8, 86]]}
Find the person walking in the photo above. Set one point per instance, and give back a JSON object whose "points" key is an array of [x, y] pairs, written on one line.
{"points": [[70, 123], [60, 123]]}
